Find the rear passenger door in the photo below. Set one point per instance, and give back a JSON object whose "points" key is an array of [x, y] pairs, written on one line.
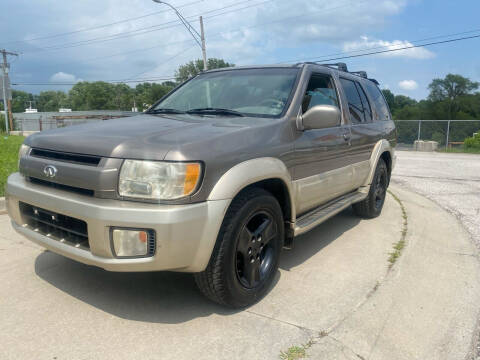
{"points": [[364, 132]]}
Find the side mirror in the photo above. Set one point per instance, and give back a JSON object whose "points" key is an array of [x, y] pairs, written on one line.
{"points": [[321, 117]]}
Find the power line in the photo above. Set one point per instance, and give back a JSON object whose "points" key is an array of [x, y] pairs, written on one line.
{"points": [[99, 26], [222, 33], [163, 62], [381, 47], [331, 59], [397, 49], [142, 31]]}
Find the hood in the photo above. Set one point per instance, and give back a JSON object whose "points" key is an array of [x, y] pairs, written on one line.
{"points": [[139, 137]]}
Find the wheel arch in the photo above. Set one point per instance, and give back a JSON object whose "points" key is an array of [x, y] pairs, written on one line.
{"points": [[268, 173], [382, 150]]}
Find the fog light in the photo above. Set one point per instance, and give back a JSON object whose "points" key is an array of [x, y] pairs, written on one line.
{"points": [[127, 243]]}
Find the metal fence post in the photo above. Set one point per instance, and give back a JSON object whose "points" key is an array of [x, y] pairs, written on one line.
{"points": [[448, 134], [419, 128]]}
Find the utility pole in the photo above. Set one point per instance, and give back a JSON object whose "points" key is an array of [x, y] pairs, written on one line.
{"points": [[199, 38], [7, 103], [204, 50]]}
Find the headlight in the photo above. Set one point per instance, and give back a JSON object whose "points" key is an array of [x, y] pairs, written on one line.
{"points": [[24, 149], [158, 180]]}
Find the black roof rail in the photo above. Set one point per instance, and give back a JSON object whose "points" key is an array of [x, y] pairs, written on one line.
{"points": [[340, 66], [362, 74]]}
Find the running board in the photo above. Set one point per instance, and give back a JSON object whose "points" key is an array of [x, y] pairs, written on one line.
{"points": [[318, 215]]}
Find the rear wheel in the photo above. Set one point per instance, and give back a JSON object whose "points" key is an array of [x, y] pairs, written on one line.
{"points": [[372, 205], [245, 258]]}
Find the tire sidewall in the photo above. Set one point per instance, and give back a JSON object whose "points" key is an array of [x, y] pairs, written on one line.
{"points": [[381, 168], [239, 294]]}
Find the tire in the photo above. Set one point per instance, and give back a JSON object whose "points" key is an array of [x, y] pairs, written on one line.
{"points": [[245, 257], [372, 205]]}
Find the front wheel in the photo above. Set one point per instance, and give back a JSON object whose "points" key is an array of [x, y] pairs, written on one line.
{"points": [[372, 205], [245, 258]]}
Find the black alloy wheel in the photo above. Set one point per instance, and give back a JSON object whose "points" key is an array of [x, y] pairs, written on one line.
{"points": [[254, 254]]}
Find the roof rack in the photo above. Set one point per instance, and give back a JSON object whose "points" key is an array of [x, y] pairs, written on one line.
{"points": [[362, 74], [343, 67], [340, 66]]}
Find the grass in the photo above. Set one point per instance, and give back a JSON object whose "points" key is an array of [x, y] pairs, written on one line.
{"points": [[398, 246], [296, 352], [459, 149], [8, 157]]}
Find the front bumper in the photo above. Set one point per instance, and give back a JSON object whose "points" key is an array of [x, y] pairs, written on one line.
{"points": [[185, 234]]}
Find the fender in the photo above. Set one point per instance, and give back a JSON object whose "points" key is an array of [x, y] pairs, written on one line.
{"points": [[250, 172], [380, 147]]}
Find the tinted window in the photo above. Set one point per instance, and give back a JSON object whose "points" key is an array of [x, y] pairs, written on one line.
{"points": [[354, 102], [381, 107], [366, 104], [320, 91]]}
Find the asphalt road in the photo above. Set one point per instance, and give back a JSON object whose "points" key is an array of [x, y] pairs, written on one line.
{"points": [[451, 180]]}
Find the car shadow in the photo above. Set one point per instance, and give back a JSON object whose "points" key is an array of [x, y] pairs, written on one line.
{"points": [[309, 244], [164, 297]]}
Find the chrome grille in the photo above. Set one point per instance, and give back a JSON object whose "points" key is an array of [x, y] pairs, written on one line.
{"points": [[66, 157]]}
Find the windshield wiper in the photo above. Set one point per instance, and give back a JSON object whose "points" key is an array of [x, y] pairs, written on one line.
{"points": [[165, 111], [214, 111]]}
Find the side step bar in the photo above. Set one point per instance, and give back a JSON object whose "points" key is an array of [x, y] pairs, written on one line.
{"points": [[318, 215]]}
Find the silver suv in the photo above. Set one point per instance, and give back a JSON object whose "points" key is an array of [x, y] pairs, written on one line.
{"points": [[214, 179]]}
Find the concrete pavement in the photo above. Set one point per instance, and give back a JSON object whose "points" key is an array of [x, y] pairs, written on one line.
{"points": [[334, 288]]}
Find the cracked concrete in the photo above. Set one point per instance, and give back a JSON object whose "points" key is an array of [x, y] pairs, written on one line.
{"points": [[452, 181], [53, 307]]}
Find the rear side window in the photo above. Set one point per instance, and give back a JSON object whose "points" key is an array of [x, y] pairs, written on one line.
{"points": [[365, 102], [355, 105], [382, 112], [320, 91]]}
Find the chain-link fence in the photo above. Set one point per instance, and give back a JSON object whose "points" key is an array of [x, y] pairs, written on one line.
{"points": [[448, 133]]}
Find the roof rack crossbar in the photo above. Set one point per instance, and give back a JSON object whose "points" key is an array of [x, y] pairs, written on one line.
{"points": [[340, 66]]}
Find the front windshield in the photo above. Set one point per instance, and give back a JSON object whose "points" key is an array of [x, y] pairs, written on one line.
{"points": [[256, 92]]}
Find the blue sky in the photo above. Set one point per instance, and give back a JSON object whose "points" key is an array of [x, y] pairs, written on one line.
{"points": [[243, 32]]}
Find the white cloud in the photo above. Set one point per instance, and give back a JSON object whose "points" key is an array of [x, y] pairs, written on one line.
{"points": [[366, 43], [408, 85], [242, 33], [62, 77]]}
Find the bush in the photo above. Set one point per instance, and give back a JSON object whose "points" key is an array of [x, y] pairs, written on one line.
{"points": [[473, 142], [438, 137]]}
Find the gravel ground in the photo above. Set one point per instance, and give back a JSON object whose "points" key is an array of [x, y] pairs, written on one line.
{"points": [[451, 180]]}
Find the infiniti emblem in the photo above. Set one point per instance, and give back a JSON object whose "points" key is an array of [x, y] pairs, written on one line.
{"points": [[50, 171]]}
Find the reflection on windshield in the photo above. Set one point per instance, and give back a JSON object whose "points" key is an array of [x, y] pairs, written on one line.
{"points": [[257, 92]]}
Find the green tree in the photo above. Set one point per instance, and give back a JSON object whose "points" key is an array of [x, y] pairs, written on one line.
{"points": [[193, 68], [390, 98], [97, 95], [20, 100], [52, 101], [449, 89], [147, 94]]}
